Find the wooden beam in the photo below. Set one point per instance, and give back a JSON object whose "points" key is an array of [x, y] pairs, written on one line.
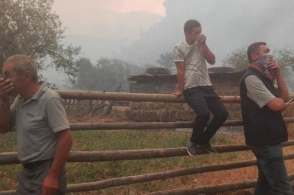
{"points": [[140, 125], [148, 125], [212, 188], [200, 190], [136, 97], [8, 158], [107, 183]]}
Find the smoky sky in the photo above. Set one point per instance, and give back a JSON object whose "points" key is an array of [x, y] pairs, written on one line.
{"points": [[228, 25]]}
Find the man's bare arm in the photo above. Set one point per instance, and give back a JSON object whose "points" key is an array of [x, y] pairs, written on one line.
{"points": [[279, 104], [282, 87], [208, 55], [6, 123], [50, 183], [180, 77]]}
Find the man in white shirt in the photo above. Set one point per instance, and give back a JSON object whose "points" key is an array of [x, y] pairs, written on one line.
{"points": [[190, 56]]}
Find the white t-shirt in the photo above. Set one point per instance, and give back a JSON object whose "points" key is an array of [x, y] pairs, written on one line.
{"points": [[196, 73]]}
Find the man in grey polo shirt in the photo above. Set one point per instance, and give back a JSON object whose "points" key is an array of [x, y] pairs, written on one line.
{"points": [[39, 118], [194, 83]]}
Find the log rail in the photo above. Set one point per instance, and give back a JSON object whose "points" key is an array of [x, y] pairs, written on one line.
{"points": [[98, 156]]}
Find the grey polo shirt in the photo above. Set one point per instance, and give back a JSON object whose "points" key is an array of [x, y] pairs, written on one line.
{"points": [[36, 122]]}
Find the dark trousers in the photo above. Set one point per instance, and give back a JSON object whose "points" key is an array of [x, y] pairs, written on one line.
{"points": [[204, 100], [31, 180], [272, 174]]}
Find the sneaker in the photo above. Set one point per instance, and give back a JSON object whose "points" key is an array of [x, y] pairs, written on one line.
{"points": [[208, 148], [192, 149]]}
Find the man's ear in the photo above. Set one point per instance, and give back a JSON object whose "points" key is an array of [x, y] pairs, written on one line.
{"points": [[188, 33], [253, 56], [27, 76]]}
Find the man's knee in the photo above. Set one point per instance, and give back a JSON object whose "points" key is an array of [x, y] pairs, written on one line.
{"points": [[222, 115], [204, 117], [225, 114]]}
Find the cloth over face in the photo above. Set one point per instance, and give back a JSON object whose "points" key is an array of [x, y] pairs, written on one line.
{"points": [[263, 61]]}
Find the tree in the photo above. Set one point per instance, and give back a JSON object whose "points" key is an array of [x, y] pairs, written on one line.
{"points": [[30, 27], [113, 72], [166, 60], [285, 58], [87, 75], [106, 75], [237, 59]]}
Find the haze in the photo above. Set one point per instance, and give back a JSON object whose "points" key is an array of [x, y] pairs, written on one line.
{"points": [[140, 30]]}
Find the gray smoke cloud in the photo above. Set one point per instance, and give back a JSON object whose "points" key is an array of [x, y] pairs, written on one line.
{"points": [[228, 25]]}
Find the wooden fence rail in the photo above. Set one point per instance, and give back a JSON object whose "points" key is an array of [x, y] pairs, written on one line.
{"points": [[107, 183], [148, 125], [160, 175], [136, 97], [8, 158], [97, 156], [213, 188]]}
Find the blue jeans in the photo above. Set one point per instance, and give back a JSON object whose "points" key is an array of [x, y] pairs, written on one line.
{"points": [[272, 174]]}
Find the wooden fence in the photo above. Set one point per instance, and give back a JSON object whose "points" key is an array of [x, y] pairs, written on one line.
{"points": [[98, 156], [84, 107]]}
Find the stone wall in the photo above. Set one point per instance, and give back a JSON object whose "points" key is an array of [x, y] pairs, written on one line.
{"points": [[222, 82], [156, 86]]}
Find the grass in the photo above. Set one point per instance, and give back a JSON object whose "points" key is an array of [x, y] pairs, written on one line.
{"points": [[126, 140], [145, 139]]}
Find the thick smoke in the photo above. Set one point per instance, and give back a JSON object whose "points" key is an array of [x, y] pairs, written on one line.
{"points": [[227, 24]]}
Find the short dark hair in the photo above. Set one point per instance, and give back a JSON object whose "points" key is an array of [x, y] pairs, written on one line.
{"points": [[254, 48], [190, 24]]}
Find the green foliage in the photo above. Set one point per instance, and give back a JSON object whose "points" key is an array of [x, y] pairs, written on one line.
{"points": [[166, 60], [86, 78], [237, 59], [106, 75], [50, 85], [31, 28], [284, 57]]}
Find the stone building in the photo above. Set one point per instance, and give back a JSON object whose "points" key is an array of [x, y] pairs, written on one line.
{"points": [[223, 79]]}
